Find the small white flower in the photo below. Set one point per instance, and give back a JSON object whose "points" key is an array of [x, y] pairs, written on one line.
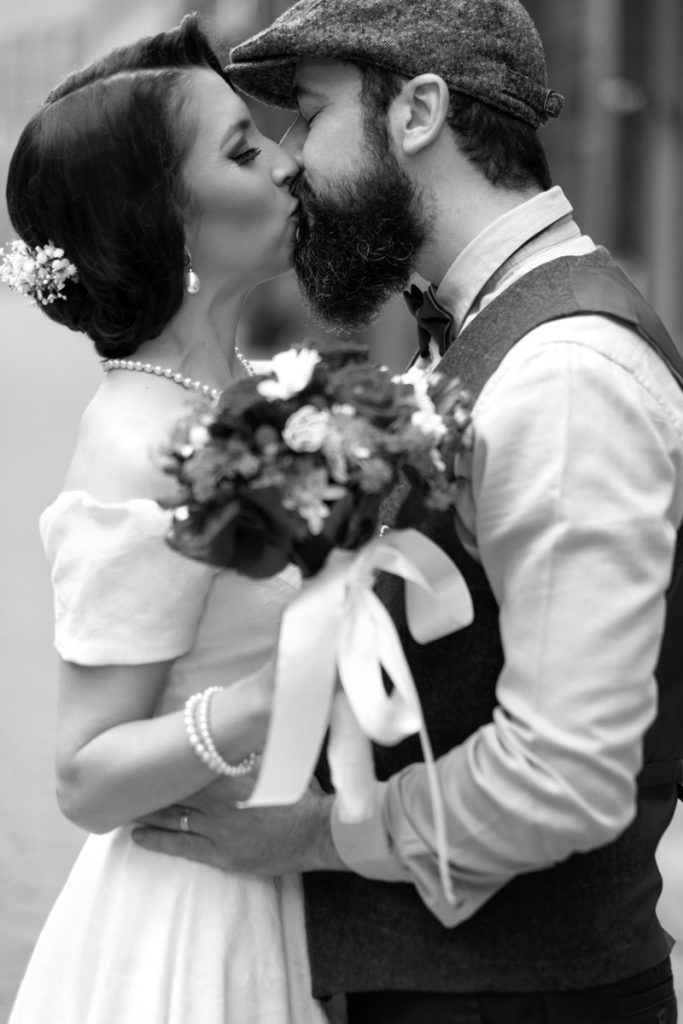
{"points": [[333, 450], [308, 496], [429, 423], [293, 370], [313, 512], [337, 446], [306, 429], [413, 375], [437, 460], [344, 410], [198, 436], [420, 386], [36, 272], [462, 418]]}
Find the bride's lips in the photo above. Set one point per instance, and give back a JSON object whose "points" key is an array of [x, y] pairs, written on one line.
{"points": [[295, 217]]}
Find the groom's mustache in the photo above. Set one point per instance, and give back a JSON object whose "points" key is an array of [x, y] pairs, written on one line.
{"points": [[298, 185], [305, 216], [302, 191]]}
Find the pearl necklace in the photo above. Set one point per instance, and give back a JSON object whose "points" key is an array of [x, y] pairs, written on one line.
{"points": [[177, 378], [244, 362]]}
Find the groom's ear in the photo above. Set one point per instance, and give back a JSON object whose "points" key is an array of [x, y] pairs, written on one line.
{"points": [[419, 113]]}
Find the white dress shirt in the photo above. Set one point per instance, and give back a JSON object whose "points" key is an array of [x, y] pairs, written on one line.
{"points": [[571, 500]]}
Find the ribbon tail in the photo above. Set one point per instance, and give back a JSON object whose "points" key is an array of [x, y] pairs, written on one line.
{"points": [[368, 642], [305, 678], [385, 718], [439, 813], [370, 632], [437, 599], [352, 767]]}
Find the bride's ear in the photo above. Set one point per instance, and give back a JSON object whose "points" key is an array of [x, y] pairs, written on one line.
{"points": [[419, 113]]}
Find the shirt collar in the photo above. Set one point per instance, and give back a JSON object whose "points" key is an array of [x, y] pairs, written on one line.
{"points": [[491, 251]]}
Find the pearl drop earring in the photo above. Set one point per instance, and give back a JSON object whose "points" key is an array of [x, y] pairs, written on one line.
{"points": [[190, 279]]}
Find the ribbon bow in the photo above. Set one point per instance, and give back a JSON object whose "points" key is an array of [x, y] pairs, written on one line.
{"points": [[433, 319], [336, 624]]}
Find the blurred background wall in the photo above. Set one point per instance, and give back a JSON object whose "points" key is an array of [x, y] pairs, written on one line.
{"points": [[617, 151]]}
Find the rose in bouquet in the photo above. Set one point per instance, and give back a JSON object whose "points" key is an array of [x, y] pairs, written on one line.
{"points": [[292, 467], [292, 464]]}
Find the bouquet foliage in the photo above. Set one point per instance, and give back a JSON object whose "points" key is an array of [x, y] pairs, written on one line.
{"points": [[287, 465]]}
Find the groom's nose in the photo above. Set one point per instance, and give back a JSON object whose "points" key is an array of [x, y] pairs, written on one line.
{"points": [[293, 139]]}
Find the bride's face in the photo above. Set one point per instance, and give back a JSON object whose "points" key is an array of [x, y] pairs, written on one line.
{"points": [[241, 219]]}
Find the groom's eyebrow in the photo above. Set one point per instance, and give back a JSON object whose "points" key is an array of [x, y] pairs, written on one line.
{"points": [[302, 90]]}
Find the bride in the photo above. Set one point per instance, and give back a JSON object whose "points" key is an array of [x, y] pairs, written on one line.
{"points": [[148, 206]]}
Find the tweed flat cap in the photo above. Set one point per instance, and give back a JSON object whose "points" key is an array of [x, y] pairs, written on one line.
{"points": [[488, 49]]}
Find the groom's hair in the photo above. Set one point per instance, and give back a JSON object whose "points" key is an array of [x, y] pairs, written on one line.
{"points": [[504, 148], [98, 172]]}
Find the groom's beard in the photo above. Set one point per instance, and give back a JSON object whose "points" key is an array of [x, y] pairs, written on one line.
{"points": [[356, 245]]}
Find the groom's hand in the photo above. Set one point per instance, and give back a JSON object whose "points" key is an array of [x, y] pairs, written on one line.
{"points": [[264, 841]]}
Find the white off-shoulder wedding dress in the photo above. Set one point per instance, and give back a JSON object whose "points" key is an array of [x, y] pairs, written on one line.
{"points": [[138, 937]]}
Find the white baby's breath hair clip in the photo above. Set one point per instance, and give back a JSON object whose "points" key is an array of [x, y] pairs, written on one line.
{"points": [[39, 272]]}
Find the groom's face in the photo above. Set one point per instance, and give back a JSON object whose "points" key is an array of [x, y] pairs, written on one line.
{"points": [[362, 218]]}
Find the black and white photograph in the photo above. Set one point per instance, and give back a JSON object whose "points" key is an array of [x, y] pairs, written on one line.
{"points": [[341, 534]]}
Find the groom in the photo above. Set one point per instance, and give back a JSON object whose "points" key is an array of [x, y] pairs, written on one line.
{"points": [[557, 716]]}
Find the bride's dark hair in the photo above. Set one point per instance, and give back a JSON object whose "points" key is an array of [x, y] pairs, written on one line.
{"points": [[97, 171]]}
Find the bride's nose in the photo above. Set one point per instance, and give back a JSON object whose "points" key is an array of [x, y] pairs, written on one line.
{"points": [[285, 167]]}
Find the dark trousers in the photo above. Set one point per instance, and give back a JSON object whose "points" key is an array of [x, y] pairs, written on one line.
{"points": [[647, 998]]}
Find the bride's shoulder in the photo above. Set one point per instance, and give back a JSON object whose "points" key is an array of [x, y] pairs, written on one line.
{"points": [[119, 450]]}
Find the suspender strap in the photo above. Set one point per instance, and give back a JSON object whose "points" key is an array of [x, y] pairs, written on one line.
{"points": [[571, 285]]}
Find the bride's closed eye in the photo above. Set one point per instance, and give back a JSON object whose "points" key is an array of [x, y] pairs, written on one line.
{"points": [[246, 155]]}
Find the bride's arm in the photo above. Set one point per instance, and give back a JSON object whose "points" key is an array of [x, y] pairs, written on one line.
{"points": [[116, 763]]}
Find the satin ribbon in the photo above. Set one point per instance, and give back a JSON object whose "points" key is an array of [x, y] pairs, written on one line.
{"points": [[337, 627]]}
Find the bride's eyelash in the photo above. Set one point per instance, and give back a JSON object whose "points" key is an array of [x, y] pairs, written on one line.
{"points": [[246, 155]]}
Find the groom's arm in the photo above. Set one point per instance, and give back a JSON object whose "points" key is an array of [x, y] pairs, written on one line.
{"points": [[271, 840]]}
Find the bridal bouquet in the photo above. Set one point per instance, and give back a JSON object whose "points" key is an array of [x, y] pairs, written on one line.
{"points": [[292, 464], [292, 467]]}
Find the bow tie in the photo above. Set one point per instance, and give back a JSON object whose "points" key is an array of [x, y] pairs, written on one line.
{"points": [[433, 320]]}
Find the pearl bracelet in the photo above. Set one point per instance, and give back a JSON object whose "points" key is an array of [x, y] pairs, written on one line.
{"points": [[200, 738]]}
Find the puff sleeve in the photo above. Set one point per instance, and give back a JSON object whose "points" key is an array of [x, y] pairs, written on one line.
{"points": [[121, 595]]}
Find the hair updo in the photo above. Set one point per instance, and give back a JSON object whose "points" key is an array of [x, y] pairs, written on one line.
{"points": [[97, 171]]}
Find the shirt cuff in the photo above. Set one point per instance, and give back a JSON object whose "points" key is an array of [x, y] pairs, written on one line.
{"points": [[365, 846]]}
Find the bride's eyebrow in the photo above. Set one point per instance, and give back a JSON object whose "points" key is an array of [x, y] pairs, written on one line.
{"points": [[236, 129]]}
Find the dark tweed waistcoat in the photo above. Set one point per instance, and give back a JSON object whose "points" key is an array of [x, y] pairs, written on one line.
{"points": [[590, 919]]}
